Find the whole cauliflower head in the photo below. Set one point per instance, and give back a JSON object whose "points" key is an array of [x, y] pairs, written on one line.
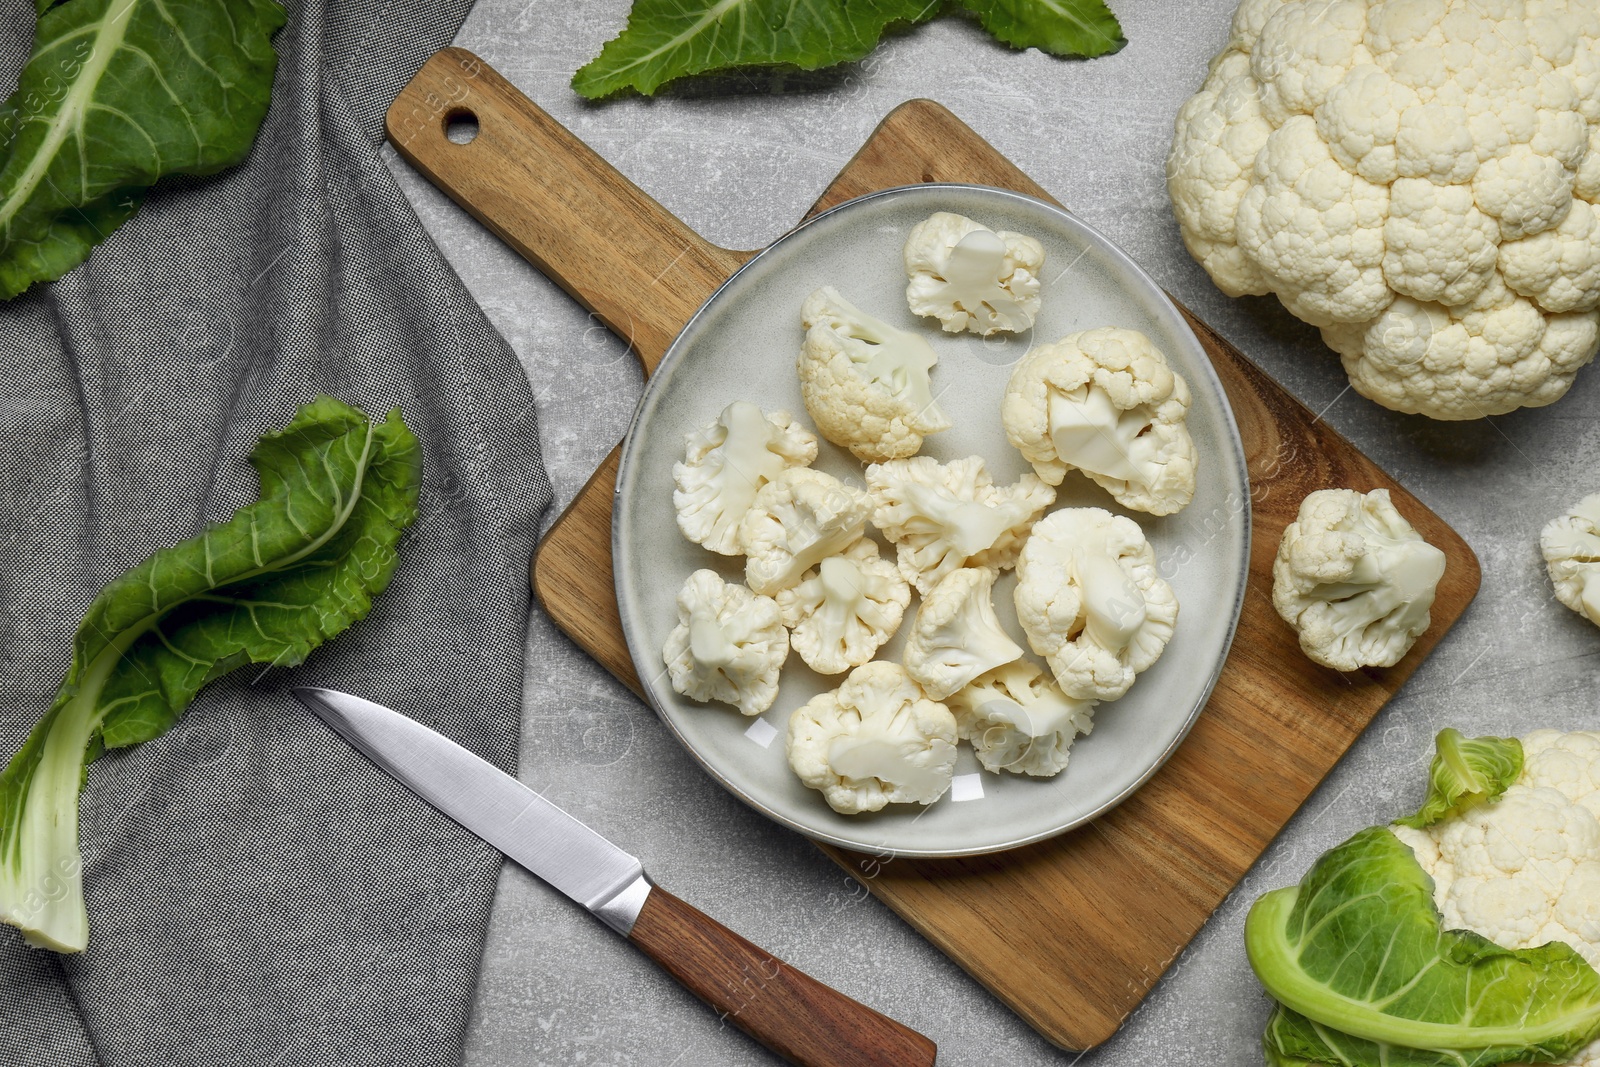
{"points": [[1418, 179], [1018, 721], [843, 610], [726, 463], [1092, 602], [1571, 547], [1354, 579], [1105, 402], [945, 516], [865, 383], [970, 277], [875, 740], [956, 635], [729, 644], [796, 521]]}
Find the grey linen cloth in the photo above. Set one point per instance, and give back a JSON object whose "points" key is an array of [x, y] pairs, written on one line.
{"points": [[258, 893]]}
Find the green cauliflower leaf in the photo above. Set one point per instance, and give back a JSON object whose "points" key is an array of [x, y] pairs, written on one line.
{"points": [[1061, 27], [1466, 772]]}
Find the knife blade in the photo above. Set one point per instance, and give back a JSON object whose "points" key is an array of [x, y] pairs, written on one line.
{"points": [[794, 1015]]}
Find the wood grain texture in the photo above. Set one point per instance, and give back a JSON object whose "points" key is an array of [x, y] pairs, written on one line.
{"points": [[1112, 904], [785, 1009]]}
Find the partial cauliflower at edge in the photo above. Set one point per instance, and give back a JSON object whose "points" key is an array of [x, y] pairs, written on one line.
{"points": [[1354, 579], [843, 611], [797, 520], [729, 644], [944, 516], [726, 463], [970, 277], [1106, 402], [1018, 721], [1571, 547], [1091, 601], [874, 741], [956, 635], [1419, 180], [865, 383]]}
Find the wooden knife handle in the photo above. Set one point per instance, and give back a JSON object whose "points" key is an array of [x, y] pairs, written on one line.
{"points": [[793, 1014]]}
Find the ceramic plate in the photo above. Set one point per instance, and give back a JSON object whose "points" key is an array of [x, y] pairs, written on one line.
{"points": [[742, 345]]}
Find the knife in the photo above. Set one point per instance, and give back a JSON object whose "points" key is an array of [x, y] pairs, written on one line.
{"points": [[793, 1014]]}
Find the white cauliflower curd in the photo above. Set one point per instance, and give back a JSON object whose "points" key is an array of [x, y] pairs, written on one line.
{"points": [[1354, 579], [1106, 402], [865, 383], [956, 635], [726, 463], [1571, 547], [1419, 179], [843, 611], [1018, 721], [876, 740], [797, 520], [729, 644], [944, 516], [970, 277], [1091, 602]]}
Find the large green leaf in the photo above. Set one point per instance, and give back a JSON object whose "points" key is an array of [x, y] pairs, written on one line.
{"points": [[283, 575], [1365, 974], [117, 94], [1061, 27], [1466, 772]]}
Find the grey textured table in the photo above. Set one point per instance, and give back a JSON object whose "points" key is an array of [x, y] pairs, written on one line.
{"points": [[560, 989]]}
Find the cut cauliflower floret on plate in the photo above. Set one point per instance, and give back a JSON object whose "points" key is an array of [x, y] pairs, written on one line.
{"points": [[956, 635], [865, 383], [1106, 402], [1018, 721], [944, 516], [726, 463], [796, 521], [1354, 579], [1091, 601], [843, 611], [874, 741], [970, 277], [729, 644], [1571, 547]]}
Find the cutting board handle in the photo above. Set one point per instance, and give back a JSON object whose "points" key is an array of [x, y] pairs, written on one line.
{"points": [[620, 254]]}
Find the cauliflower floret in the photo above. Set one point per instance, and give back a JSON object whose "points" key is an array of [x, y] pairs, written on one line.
{"points": [[1018, 721], [875, 740], [1419, 180], [796, 521], [1091, 602], [842, 612], [729, 644], [944, 516], [726, 463], [956, 635], [970, 277], [1571, 547], [865, 382], [1354, 579], [1106, 402]]}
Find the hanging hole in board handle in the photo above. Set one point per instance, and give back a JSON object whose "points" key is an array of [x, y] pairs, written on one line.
{"points": [[460, 126]]}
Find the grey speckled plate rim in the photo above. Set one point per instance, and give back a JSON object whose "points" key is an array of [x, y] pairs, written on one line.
{"points": [[644, 664]]}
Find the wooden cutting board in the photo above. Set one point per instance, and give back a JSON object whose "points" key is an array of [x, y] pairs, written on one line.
{"points": [[1073, 932]]}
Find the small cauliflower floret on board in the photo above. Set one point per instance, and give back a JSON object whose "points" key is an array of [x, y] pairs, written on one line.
{"points": [[1107, 403], [875, 740], [1354, 579], [1018, 721], [729, 644], [1571, 547], [726, 463], [956, 635], [865, 383], [1091, 601], [797, 520], [944, 516], [843, 611], [970, 277]]}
